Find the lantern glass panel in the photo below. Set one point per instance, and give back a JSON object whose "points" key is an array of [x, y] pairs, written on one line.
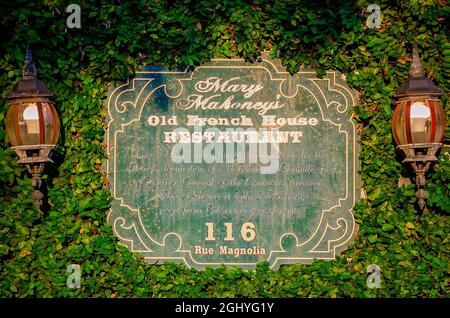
{"points": [[399, 126], [32, 123], [440, 122], [420, 122]]}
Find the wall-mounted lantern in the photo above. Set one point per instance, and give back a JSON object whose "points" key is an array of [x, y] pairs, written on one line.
{"points": [[32, 124], [419, 123]]}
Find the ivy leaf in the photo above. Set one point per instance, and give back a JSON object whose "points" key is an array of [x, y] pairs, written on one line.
{"points": [[372, 238], [409, 225], [387, 227]]}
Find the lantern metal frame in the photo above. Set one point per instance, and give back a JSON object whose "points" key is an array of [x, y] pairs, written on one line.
{"points": [[420, 156], [34, 157]]}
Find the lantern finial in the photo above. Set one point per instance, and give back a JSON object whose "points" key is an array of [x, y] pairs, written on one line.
{"points": [[416, 67], [417, 83], [29, 69]]}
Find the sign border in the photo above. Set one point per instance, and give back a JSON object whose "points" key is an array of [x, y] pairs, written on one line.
{"points": [[146, 82]]}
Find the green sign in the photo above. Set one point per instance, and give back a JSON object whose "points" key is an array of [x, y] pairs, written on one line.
{"points": [[232, 163]]}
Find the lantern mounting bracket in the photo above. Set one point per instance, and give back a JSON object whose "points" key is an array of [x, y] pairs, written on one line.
{"points": [[420, 156], [34, 157]]}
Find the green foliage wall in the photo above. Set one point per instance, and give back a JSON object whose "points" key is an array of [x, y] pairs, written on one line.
{"points": [[116, 37]]}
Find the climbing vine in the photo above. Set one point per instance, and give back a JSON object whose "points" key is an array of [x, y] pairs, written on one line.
{"points": [[116, 37]]}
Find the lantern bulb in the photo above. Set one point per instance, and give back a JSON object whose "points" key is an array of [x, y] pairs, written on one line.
{"points": [[419, 110], [31, 118], [31, 113]]}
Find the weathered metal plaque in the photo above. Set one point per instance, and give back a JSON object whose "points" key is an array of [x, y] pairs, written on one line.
{"points": [[232, 163]]}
